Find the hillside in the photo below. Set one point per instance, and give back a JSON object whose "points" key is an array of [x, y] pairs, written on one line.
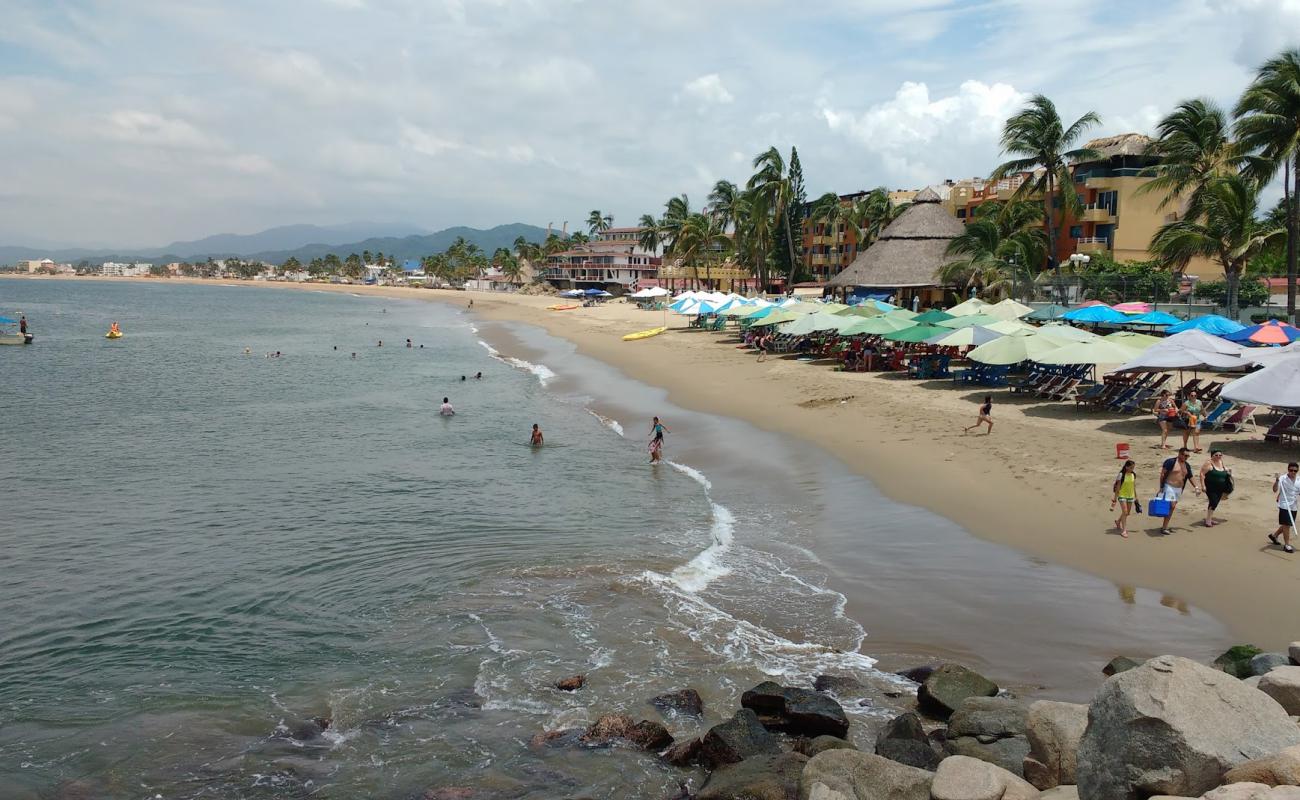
{"points": [[413, 246]]}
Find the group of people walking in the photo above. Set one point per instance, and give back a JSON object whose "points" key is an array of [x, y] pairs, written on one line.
{"points": [[1214, 479]]}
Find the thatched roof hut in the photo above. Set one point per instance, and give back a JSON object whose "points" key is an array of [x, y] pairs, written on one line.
{"points": [[910, 250]]}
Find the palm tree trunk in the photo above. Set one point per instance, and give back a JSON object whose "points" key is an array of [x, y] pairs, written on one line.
{"points": [[789, 241], [1051, 239], [1292, 230], [1232, 277]]}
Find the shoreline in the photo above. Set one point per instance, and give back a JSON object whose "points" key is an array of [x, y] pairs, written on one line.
{"points": [[1040, 484]]}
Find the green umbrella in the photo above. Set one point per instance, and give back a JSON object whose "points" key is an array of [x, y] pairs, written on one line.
{"points": [[1134, 339], [776, 318], [916, 333], [1067, 333], [811, 323], [1014, 348], [968, 320], [1049, 312], [1096, 351], [875, 326], [901, 313], [1011, 326], [834, 307], [930, 317], [860, 311]]}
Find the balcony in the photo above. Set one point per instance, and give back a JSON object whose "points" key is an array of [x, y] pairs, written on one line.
{"points": [[1092, 244], [1102, 214]]}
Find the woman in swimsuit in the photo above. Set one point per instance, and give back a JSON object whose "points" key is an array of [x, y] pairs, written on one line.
{"points": [[985, 417], [1216, 477], [1124, 492], [1192, 416], [656, 448], [1166, 412]]}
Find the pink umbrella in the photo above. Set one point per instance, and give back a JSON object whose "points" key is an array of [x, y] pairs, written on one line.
{"points": [[1087, 303], [1133, 308]]}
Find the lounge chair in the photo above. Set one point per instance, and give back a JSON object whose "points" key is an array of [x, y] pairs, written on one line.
{"points": [[1217, 413], [1279, 428], [1239, 418]]}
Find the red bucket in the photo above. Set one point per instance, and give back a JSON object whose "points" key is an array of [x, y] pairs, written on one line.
{"points": [[1121, 450]]}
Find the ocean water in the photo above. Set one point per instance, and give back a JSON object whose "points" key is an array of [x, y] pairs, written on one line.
{"points": [[202, 549]]}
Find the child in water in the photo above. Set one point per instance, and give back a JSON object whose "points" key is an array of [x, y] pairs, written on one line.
{"points": [[536, 440], [656, 447]]}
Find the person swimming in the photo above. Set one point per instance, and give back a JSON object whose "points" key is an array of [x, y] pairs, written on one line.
{"points": [[478, 376], [408, 343], [536, 440], [462, 377], [446, 410]]}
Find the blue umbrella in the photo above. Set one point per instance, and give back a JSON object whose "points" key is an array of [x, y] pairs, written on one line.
{"points": [[7, 321], [594, 292], [1096, 314], [572, 293], [1271, 332], [1210, 323], [1155, 318]]}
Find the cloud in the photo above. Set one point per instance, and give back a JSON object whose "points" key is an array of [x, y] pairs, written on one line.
{"points": [[155, 130], [919, 139], [708, 89]]}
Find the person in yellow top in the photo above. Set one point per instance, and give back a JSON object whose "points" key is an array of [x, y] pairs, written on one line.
{"points": [[1124, 492]]}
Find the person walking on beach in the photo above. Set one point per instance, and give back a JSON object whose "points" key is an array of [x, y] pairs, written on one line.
{"points": [[1216, 477], [1166, 412], [1288, 492], [1124, 492], [536, 440], [446, 410], [1175, 474], [985, 417], [1192, 418], [656, 448]]}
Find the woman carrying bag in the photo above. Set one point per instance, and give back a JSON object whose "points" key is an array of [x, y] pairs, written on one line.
{"points": [[1216, 477]]}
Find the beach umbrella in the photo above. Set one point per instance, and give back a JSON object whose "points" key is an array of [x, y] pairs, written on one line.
{"points": [[1014, 348], [1096, 351], [875, 326], [916, 333], [686, 305], [1191, 349], [1158, 318], [901, 313], [968, 307], [972, 335], [1095, 314], [1138, 341], [1047, 313], [967, 321], [760, 313], [1010, 326], [1210, 323], [879, 305], [1132, 308], [1277, 384], [1008, 309], [931, 317], [833, 307], [777, 317], [860, 311], [1271, 332], [812, 323], [572, 293], [1066, 333]]}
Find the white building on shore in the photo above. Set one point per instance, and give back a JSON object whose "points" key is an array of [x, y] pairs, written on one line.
{"points": [[613, 260], [122, 270]]}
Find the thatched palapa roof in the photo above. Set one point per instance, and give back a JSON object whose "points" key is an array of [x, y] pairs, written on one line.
{"points": [[1125, 144], [910, 250]]}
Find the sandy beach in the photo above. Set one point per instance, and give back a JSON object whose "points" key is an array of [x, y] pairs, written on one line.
{"points": [[1040, 483]]}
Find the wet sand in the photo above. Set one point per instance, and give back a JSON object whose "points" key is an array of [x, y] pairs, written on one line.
{"points": [[1040, 484]]}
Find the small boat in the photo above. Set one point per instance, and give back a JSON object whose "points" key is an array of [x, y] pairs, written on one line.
{"points": [[15, 338], [113, 335], [562, 308], [631, 337]]}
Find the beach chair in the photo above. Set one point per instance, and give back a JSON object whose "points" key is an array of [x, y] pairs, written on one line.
{"points": [[1066, 390], [1190, 386], [1091, 394], [1217, 413], [1211, 391], [1133, 403], [1236, 421], [1281, 427]]}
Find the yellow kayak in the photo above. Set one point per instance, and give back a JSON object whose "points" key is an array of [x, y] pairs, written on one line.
{"points": [[561, 308], [113, 335], [631, 337]]}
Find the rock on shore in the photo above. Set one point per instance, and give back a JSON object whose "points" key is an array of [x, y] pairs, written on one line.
{"points": [[854, 775], [797, 711], [1174, 727], [1054, 731], [948, 685]]}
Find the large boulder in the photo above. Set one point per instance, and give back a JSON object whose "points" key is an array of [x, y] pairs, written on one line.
{"points": [[1174, 727], [1236, 660], [1280, 769], [854, 775], [735, 740], [1054, 730], [1293, 651], [820, 744], [611, 728], [1264, 663], [682, 701], [1119, 664], [948, 685], [990, 729], [797, 711], [1283, 685], [684, 754], [904, 740], [771, 776], [962, 778]]}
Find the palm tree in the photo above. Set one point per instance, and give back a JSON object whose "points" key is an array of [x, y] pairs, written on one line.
{"points": [[723, 201], [1038, 136], [1227, 232], [649, 238], [676, 211], [367, 257], [771, 182], [997, 248], [1194, 145], [352, 267], [578, 237], [597, 222], [1268, 125], [871, 214], [291, 264], [755, 233], [696, 241], [836, 216]]}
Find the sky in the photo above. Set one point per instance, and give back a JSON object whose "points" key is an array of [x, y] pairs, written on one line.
{"points": [[140, 122]]}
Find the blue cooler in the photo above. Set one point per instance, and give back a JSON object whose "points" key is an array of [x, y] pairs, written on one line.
{"points": [[1159, 507]]}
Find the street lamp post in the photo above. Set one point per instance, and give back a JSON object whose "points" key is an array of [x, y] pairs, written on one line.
{"points": [[1077, 259]]}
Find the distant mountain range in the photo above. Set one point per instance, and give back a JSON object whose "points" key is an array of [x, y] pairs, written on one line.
{"points": [[303, 242]]}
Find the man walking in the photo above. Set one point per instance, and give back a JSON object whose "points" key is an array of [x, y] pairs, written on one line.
{"points": [[1175, 474], [1288, 491]]}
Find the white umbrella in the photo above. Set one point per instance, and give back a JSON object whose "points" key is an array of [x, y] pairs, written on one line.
{"points": [[653, 291], [1267, 355], [968, 307], [1066, 333], [1097, 351], [1008, 326], [1007, 309], [1191, 349], [1277, 384], [1014, 348], [972, 335]]}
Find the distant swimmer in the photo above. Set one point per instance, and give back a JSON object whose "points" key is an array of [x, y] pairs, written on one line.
{"points": [[462, 377], [248, 351], [354, 355], [536, 440], [381, 343], [408, 343], [478, 376], [336, 347], [447, 410]]}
